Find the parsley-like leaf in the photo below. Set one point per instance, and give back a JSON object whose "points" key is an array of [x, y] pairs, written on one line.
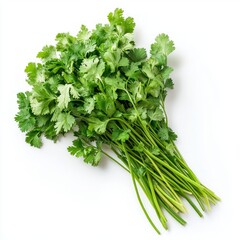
{"points": [[33, 138], [64, 97], [64, 122]]}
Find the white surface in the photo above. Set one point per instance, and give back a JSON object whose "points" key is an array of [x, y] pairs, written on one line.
{"points": [[48, 194]]}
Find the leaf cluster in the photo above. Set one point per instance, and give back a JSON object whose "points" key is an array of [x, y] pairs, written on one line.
{"points": [[94, 79]]}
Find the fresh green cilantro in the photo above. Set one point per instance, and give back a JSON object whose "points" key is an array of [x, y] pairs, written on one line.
{"points": [[33, 138], [64, 97], [106, 91], [65, 122]]}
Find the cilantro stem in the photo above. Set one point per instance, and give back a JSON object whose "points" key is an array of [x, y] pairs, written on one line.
{"points": [[137, 193]]}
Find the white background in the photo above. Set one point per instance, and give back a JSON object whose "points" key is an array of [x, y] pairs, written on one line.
{"points": [[48, 194]]}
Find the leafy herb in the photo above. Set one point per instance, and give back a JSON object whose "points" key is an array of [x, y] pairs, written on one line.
{"points": [[102, 88]]}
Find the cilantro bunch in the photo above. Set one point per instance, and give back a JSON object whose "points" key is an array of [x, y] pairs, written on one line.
{"points": [[106, 91]]}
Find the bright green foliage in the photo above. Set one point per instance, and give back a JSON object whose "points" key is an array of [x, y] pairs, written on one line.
{"points": [[25, 118], [33, 138], [64, 97], [64, 122], [102, 88]]}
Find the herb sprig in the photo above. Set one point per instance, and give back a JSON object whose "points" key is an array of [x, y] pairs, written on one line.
{"points": [[106, 91]]}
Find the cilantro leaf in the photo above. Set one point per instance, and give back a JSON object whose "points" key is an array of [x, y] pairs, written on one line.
{"points": [[116, 19], [64, 97], [105, 103], [154, 87], [170, 149], [136, 88], [162, 45], [47, 53], [169, 83], [65, 122], [42, 101], [155, 115], [163, 134], [83, 34], [92, 68], [155, 150], [137, 54], [120, 135], [77, 149], [139, 147], [92, 155], [64, 40], [33, 138], [97, 125], [112, 58], [116, 82], [35, 73], [172, 134], [89, 105], [26, 120]]}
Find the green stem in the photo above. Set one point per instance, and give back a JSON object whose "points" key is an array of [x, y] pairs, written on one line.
{"points": [[137, 193]]}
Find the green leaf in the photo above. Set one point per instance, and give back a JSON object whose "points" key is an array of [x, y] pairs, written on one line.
{"points": [[116, 82], [128, 25], [25, 118], [112, 58], [132, 115], [64, 122], [147, 69], [165, 72], [170, 149], [116, 19], [92, 155], [97, 125], [139, 147], [83, 34], [123, 62], [42, 120], [77, 148], [26, 122], [133, 71], [42, 101], [172, 134], [105, 103], [163, 134], [92, 68], [126, 42], [155, 115], [162, 45], [35, 73], [142, 112], [140, 171], [33, 138], [149, 103], [64, 97], [120, 135], [169, 83], [89, 105], [154, 87], [47, 53], [155, 150], [50, 132], [64, 40], [136, 88], [138, 54]]}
